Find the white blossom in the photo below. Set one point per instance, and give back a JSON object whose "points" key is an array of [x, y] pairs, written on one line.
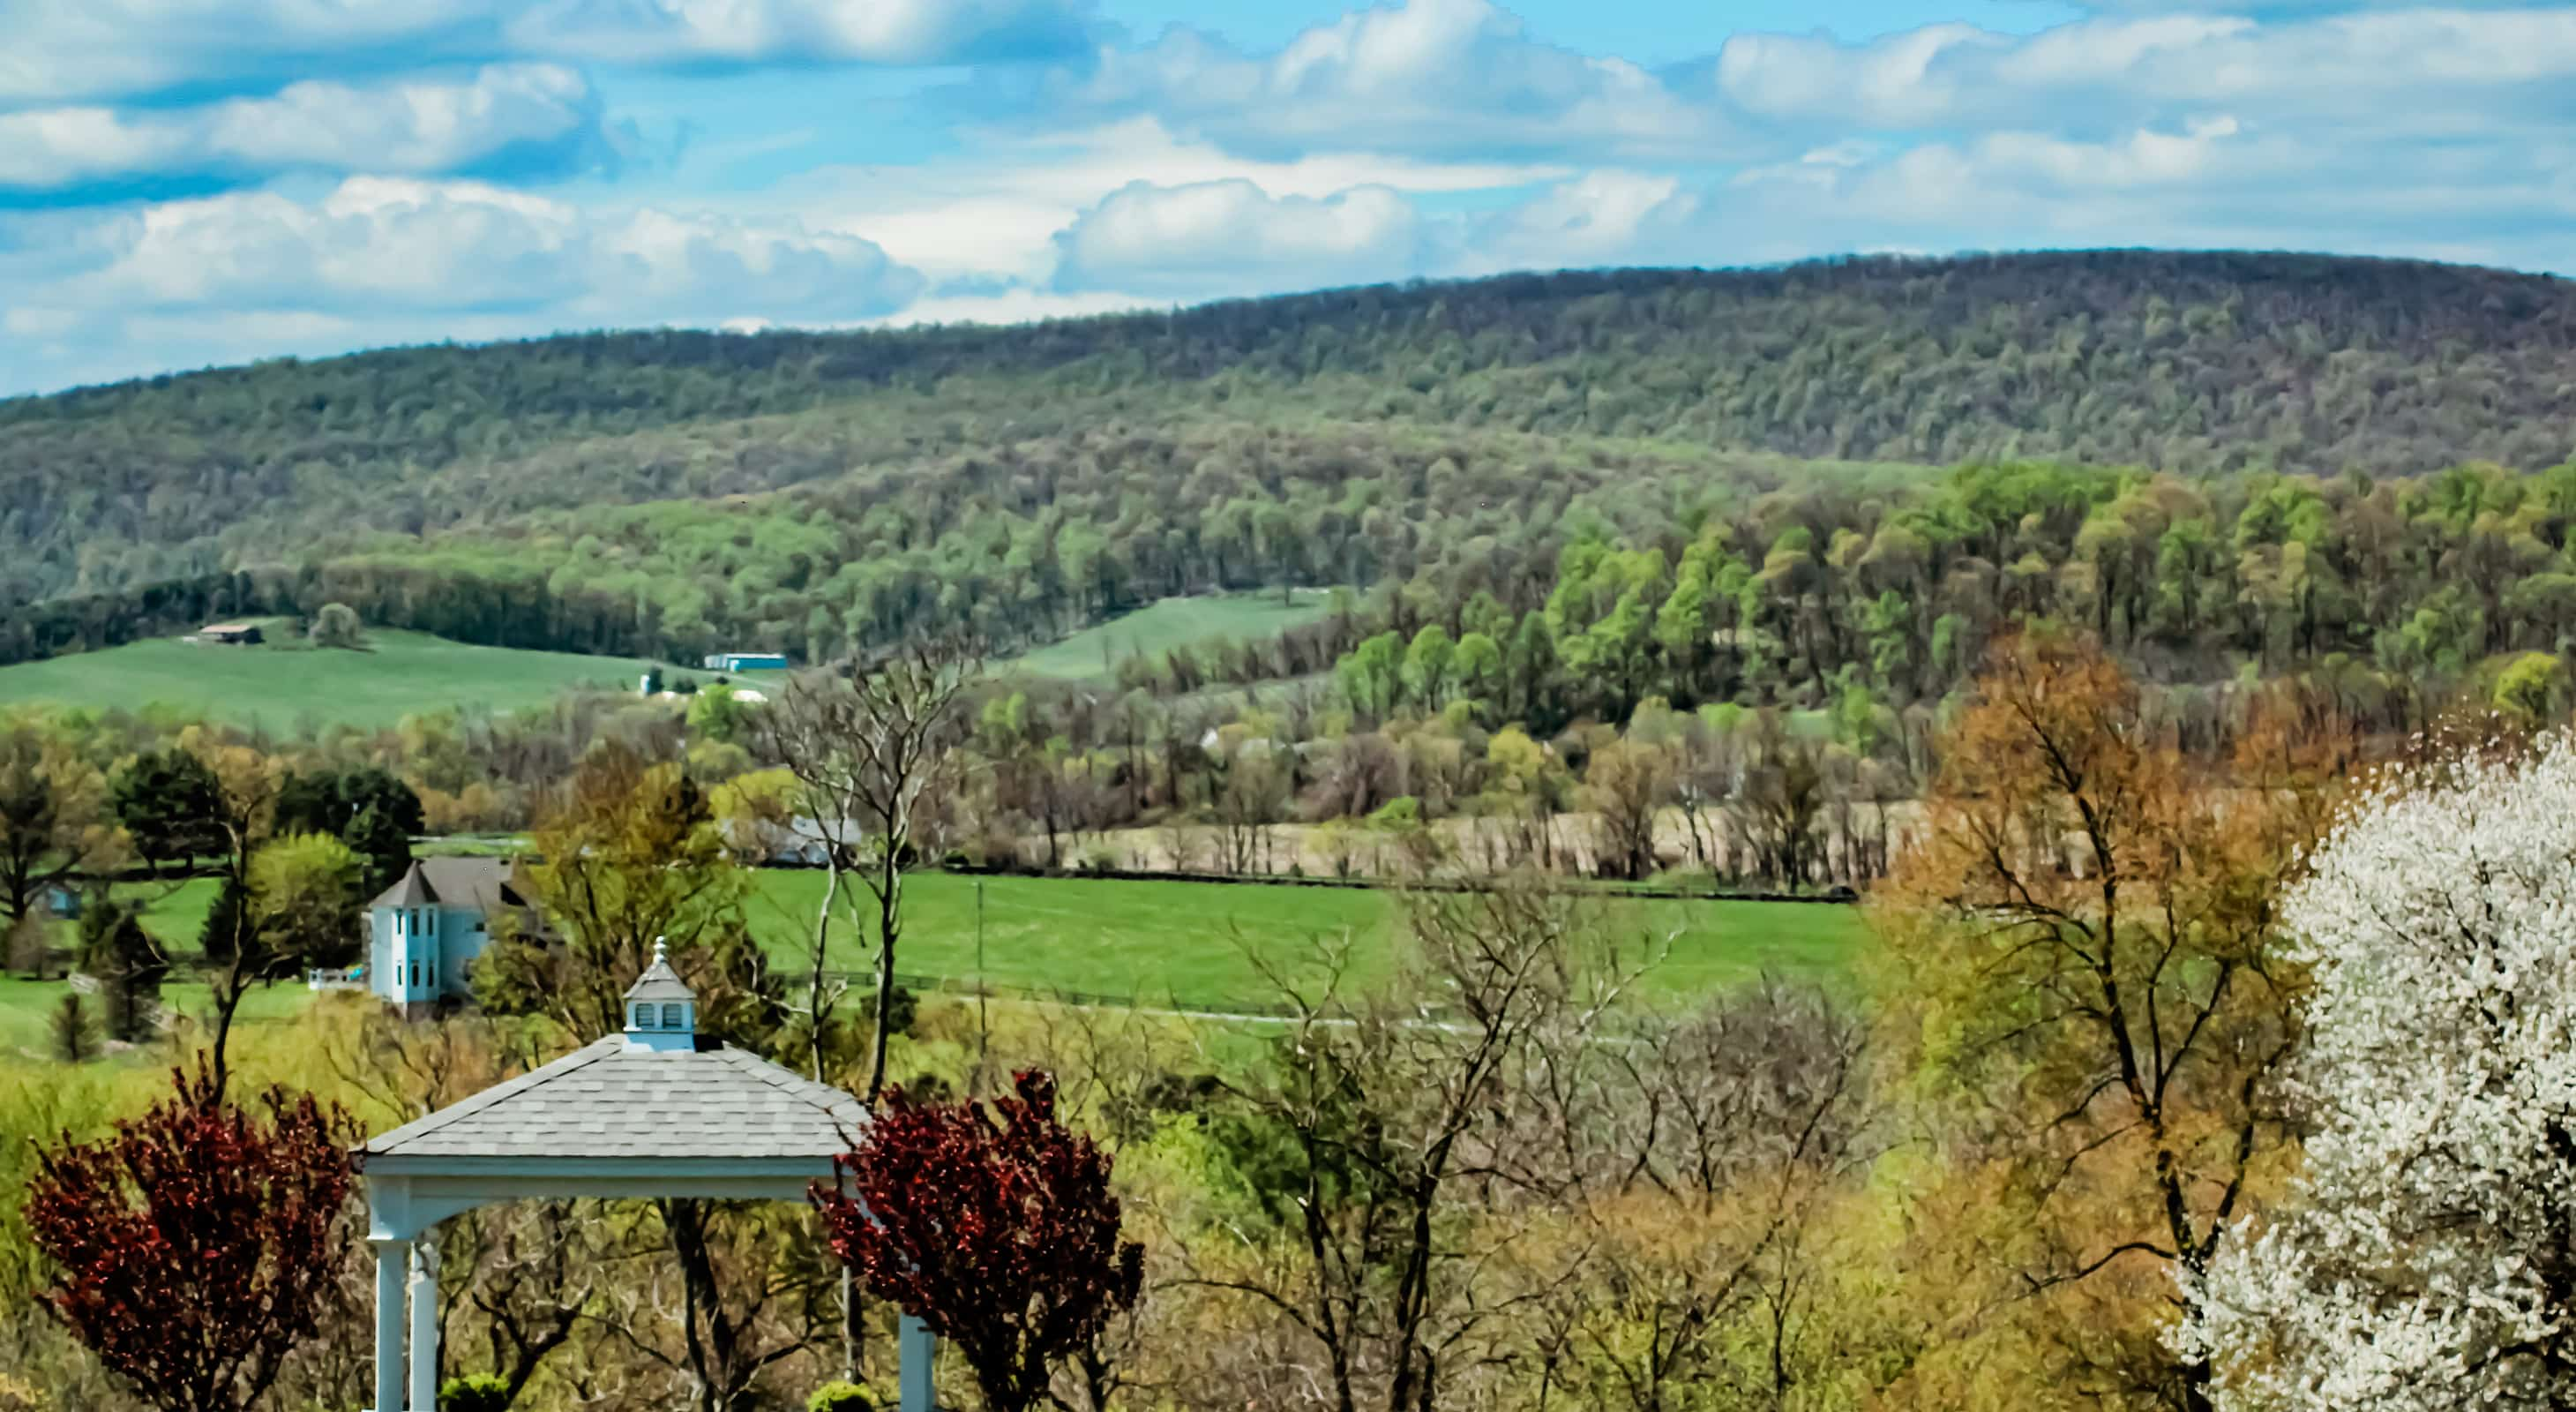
{"points": [[2426, 1257]]}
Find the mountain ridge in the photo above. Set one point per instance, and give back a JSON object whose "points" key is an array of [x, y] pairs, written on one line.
{"points": [[2183, 361]]}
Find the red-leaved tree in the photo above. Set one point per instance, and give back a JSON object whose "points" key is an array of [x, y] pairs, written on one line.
{"points": [[994, 1226], [196, 1245]]}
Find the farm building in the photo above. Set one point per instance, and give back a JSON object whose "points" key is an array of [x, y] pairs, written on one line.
{"points": [[746, 662], [230, 634]]}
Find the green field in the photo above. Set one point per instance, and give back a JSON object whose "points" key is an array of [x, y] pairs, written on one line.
{"points": [[1160, 942], [287, 685], [1173, 622], [1154, 943]]}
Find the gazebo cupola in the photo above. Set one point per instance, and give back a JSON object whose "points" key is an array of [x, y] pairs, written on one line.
{"points": [[661, 1010]]}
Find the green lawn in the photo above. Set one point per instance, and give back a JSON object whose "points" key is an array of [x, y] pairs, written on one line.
{"points": [[286, 685], [1171, 623], [1155, 943], [27, 1008]]}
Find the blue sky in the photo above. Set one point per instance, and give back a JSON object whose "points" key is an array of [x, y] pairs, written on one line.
{"points": [[187, 182]]}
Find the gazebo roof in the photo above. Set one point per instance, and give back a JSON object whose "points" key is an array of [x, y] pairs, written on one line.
{"points": [[612, 1100]]}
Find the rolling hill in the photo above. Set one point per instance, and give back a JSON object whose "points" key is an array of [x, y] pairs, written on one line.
{"points": [[2178, 361]]}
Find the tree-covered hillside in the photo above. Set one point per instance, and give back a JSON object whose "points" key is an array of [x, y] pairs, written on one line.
{"points": [[2181, 362]]}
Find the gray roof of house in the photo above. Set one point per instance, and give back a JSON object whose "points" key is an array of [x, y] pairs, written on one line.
{"points": [[409, 890], [606, 1100], [485, 885]]}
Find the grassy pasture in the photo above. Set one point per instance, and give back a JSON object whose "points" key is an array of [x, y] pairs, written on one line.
{"points": [[1173, 622], [287, 685]]}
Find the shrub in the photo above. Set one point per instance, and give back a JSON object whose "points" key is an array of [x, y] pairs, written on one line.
{"points": [[842, 1397], [336, 626], [902, 1008], [475, 1392]]}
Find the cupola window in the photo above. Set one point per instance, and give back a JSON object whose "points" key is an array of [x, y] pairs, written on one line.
{"points": [[660, 1009]]}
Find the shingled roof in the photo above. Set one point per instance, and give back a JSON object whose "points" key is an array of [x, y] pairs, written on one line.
{"points": [[610, 1100], [486, 885], [659, 981]]}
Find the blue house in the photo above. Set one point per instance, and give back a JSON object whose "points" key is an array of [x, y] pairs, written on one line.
{"points": [[424, 932]]}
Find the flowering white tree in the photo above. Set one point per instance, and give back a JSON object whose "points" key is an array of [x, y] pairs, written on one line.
{"points": [[2427, 1255]]}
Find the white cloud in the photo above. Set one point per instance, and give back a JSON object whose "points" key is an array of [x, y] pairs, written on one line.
{"points": [[800, 31], [62, 50], [995, 209], [1445, 77], [415, 125], [1600, 218], [2412, 70], [464, 248], [1223, 237]]}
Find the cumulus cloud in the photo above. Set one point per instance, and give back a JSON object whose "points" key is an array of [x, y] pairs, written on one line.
{"points": [[1443, 77], [1225, 237], [541, 114], [61, 50], [1412, 137], [403, 246], [1600, 218], [2416, 69], [994, 211], [702, 32]]}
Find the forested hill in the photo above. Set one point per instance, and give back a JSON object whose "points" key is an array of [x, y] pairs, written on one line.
{"points": [[2186, 362]]}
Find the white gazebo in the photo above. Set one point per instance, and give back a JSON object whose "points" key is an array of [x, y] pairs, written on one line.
{"points": [[656, 1111]]}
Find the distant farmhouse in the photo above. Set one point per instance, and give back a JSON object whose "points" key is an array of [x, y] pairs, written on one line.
{"points": [[424, 932], [230, 634], [800, 842], [746, 662]]}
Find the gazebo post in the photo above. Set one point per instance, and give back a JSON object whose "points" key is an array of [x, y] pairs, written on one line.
{"points": [[851, 1331], [391, 1229], [390, 1255], [424, 1326], [914, 1352]]}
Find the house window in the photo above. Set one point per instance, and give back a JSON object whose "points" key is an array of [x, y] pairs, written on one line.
{"points": [[415, 973], [433, 975], [671, 1016]]}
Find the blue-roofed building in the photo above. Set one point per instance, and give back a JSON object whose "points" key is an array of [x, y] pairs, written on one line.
{"points": [[747, 662]]}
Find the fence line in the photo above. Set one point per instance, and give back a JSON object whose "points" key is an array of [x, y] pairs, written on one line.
{"points": [[1836, 896], [1006, 990]]}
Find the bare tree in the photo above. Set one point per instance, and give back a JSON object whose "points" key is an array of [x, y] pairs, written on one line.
{"points": [[245, 803], [1702, 1150], [867, 747], [1251, 795], [1775, 814], [1626, 785], [1378, 1114]]}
